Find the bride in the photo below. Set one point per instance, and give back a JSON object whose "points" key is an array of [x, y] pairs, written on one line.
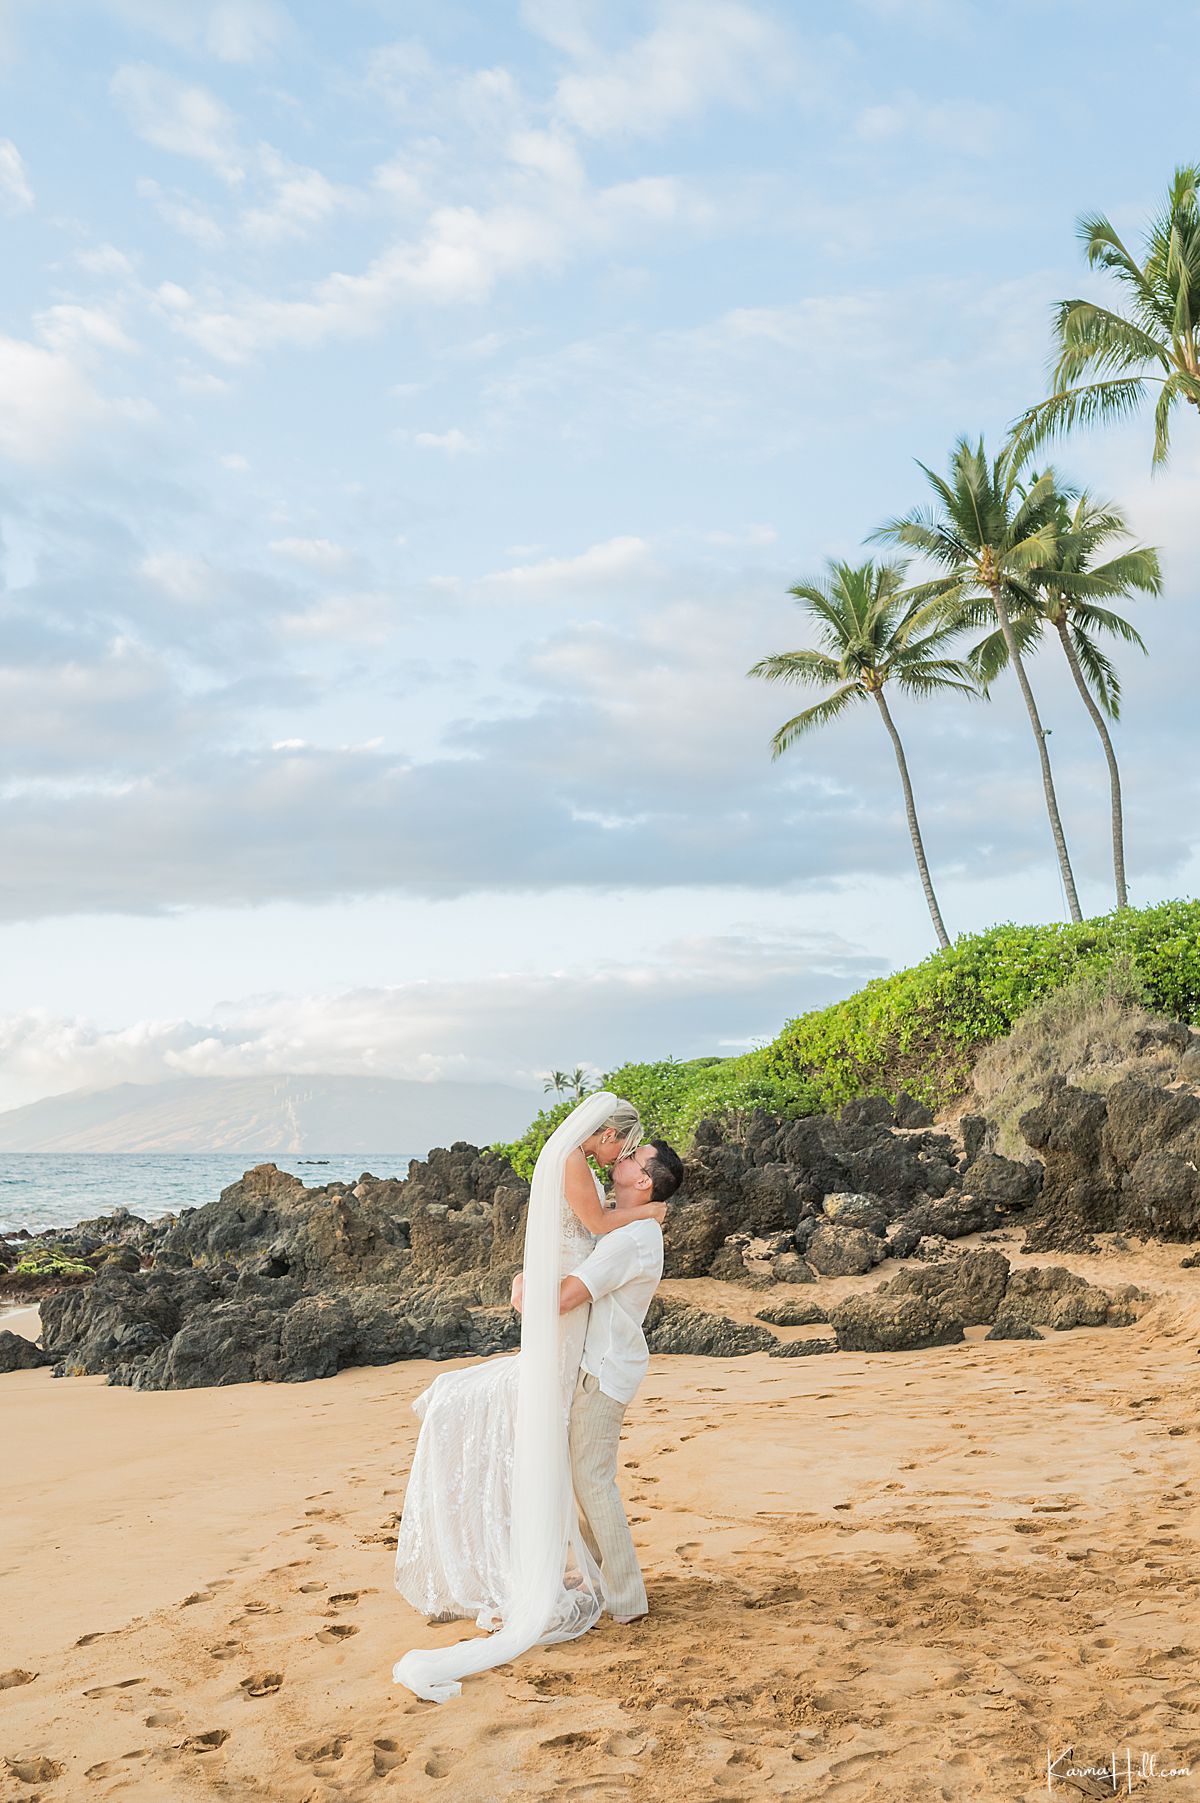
{"points": [[490, 1529]]}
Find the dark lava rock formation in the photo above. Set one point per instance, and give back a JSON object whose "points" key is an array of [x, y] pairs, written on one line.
{"points": [[277, 1281], [19, 1354], [1128, 1161]]}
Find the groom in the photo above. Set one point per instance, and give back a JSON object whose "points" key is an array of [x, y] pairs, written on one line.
{"points": [[618, 1277]]}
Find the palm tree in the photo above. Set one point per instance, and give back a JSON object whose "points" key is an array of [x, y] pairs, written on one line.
{"points": [[1068, 594], [1154, 342], [558, 1082], [577, 1083], [865, 626], [988, 538]]}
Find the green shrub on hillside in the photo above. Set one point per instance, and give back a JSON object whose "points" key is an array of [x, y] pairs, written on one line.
{"points": [[671, 1097], [918, 1030]]}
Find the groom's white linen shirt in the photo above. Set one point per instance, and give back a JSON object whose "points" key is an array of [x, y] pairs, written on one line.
{"points": [[621, 1274]]}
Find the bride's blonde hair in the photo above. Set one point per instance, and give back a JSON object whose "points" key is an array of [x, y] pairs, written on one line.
{"points": [[626, 1121]]}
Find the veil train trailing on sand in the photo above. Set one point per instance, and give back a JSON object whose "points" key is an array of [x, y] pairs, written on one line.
{"points": [[539, 1604]]}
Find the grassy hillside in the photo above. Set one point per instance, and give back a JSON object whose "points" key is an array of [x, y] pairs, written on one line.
{"points": [[918, 1030]]}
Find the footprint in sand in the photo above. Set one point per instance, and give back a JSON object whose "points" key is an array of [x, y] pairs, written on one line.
{"points": [[342, 1599], [687, 1548], [10, 1680], [439, 1764], [315, 1752], [250, 1610], [104, 1690], [208, 1742], [261, 1684], [197, 1596], [226, 1649], [35, 1770], [628, 1746], [386, 1755], [112, 1768], [87, 1639], [337, 1631], [163, 1718], [309, 1589], [569, 1743]]}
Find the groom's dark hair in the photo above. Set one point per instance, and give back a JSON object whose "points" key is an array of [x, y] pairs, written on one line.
{"points": [[665, 1171]]}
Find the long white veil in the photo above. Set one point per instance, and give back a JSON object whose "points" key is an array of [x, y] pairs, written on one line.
{"points": [[544, 1518]]}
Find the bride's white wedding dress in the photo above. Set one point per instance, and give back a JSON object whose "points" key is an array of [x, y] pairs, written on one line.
{"points": [[454, 1555]]}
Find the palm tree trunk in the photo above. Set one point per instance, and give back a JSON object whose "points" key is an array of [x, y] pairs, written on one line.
{"points": [[1060, 842], [1114, 775], [914, 826]]}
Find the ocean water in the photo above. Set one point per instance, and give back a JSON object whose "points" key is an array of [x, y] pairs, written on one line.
{"points": [[57, 1189]]}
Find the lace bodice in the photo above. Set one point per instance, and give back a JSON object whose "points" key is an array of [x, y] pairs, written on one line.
{"points": [[575, 1242]]}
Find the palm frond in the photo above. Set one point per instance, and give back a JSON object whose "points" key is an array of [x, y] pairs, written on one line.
{"points": [[938, 675], [808, 668], [990, 656], [813, 717], [1095, 403], [1162, 423], [1089, 618], [1104, 250], [1095, 338], [1099, 674]]}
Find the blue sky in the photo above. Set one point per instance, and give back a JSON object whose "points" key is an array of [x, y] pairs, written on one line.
{"points": [[411, 420]]}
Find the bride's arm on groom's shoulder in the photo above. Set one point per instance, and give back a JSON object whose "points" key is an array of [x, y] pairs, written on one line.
{"points": [[634, 1211], [581, 1194]]}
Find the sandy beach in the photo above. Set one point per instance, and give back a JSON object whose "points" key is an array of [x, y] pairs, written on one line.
{"points": [[899, 1575]]}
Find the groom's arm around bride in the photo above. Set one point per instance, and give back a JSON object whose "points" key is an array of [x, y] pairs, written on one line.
{"points": [[619, 1278]]}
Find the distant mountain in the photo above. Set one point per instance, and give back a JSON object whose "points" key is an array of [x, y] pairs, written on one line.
{"points": [[269, 1114]]}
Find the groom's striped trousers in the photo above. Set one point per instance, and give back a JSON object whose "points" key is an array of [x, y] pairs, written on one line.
{"points": [[595, 1435]]}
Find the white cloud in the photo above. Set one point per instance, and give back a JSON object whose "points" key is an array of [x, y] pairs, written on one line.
{"points": [[182, 215], [202, 381], [298, 200], [235, 462], [399, 71], [454, 442], [687, 996], [46, 401], [545, 215], [16, 196], [963, 126], [316, 553], [367, 616], [180, 575], [239, 31], [597, 567], [699, 52], [171, 296], [752, 537], [184, 119], [69, 327], [234, 31], [105, 260]]}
